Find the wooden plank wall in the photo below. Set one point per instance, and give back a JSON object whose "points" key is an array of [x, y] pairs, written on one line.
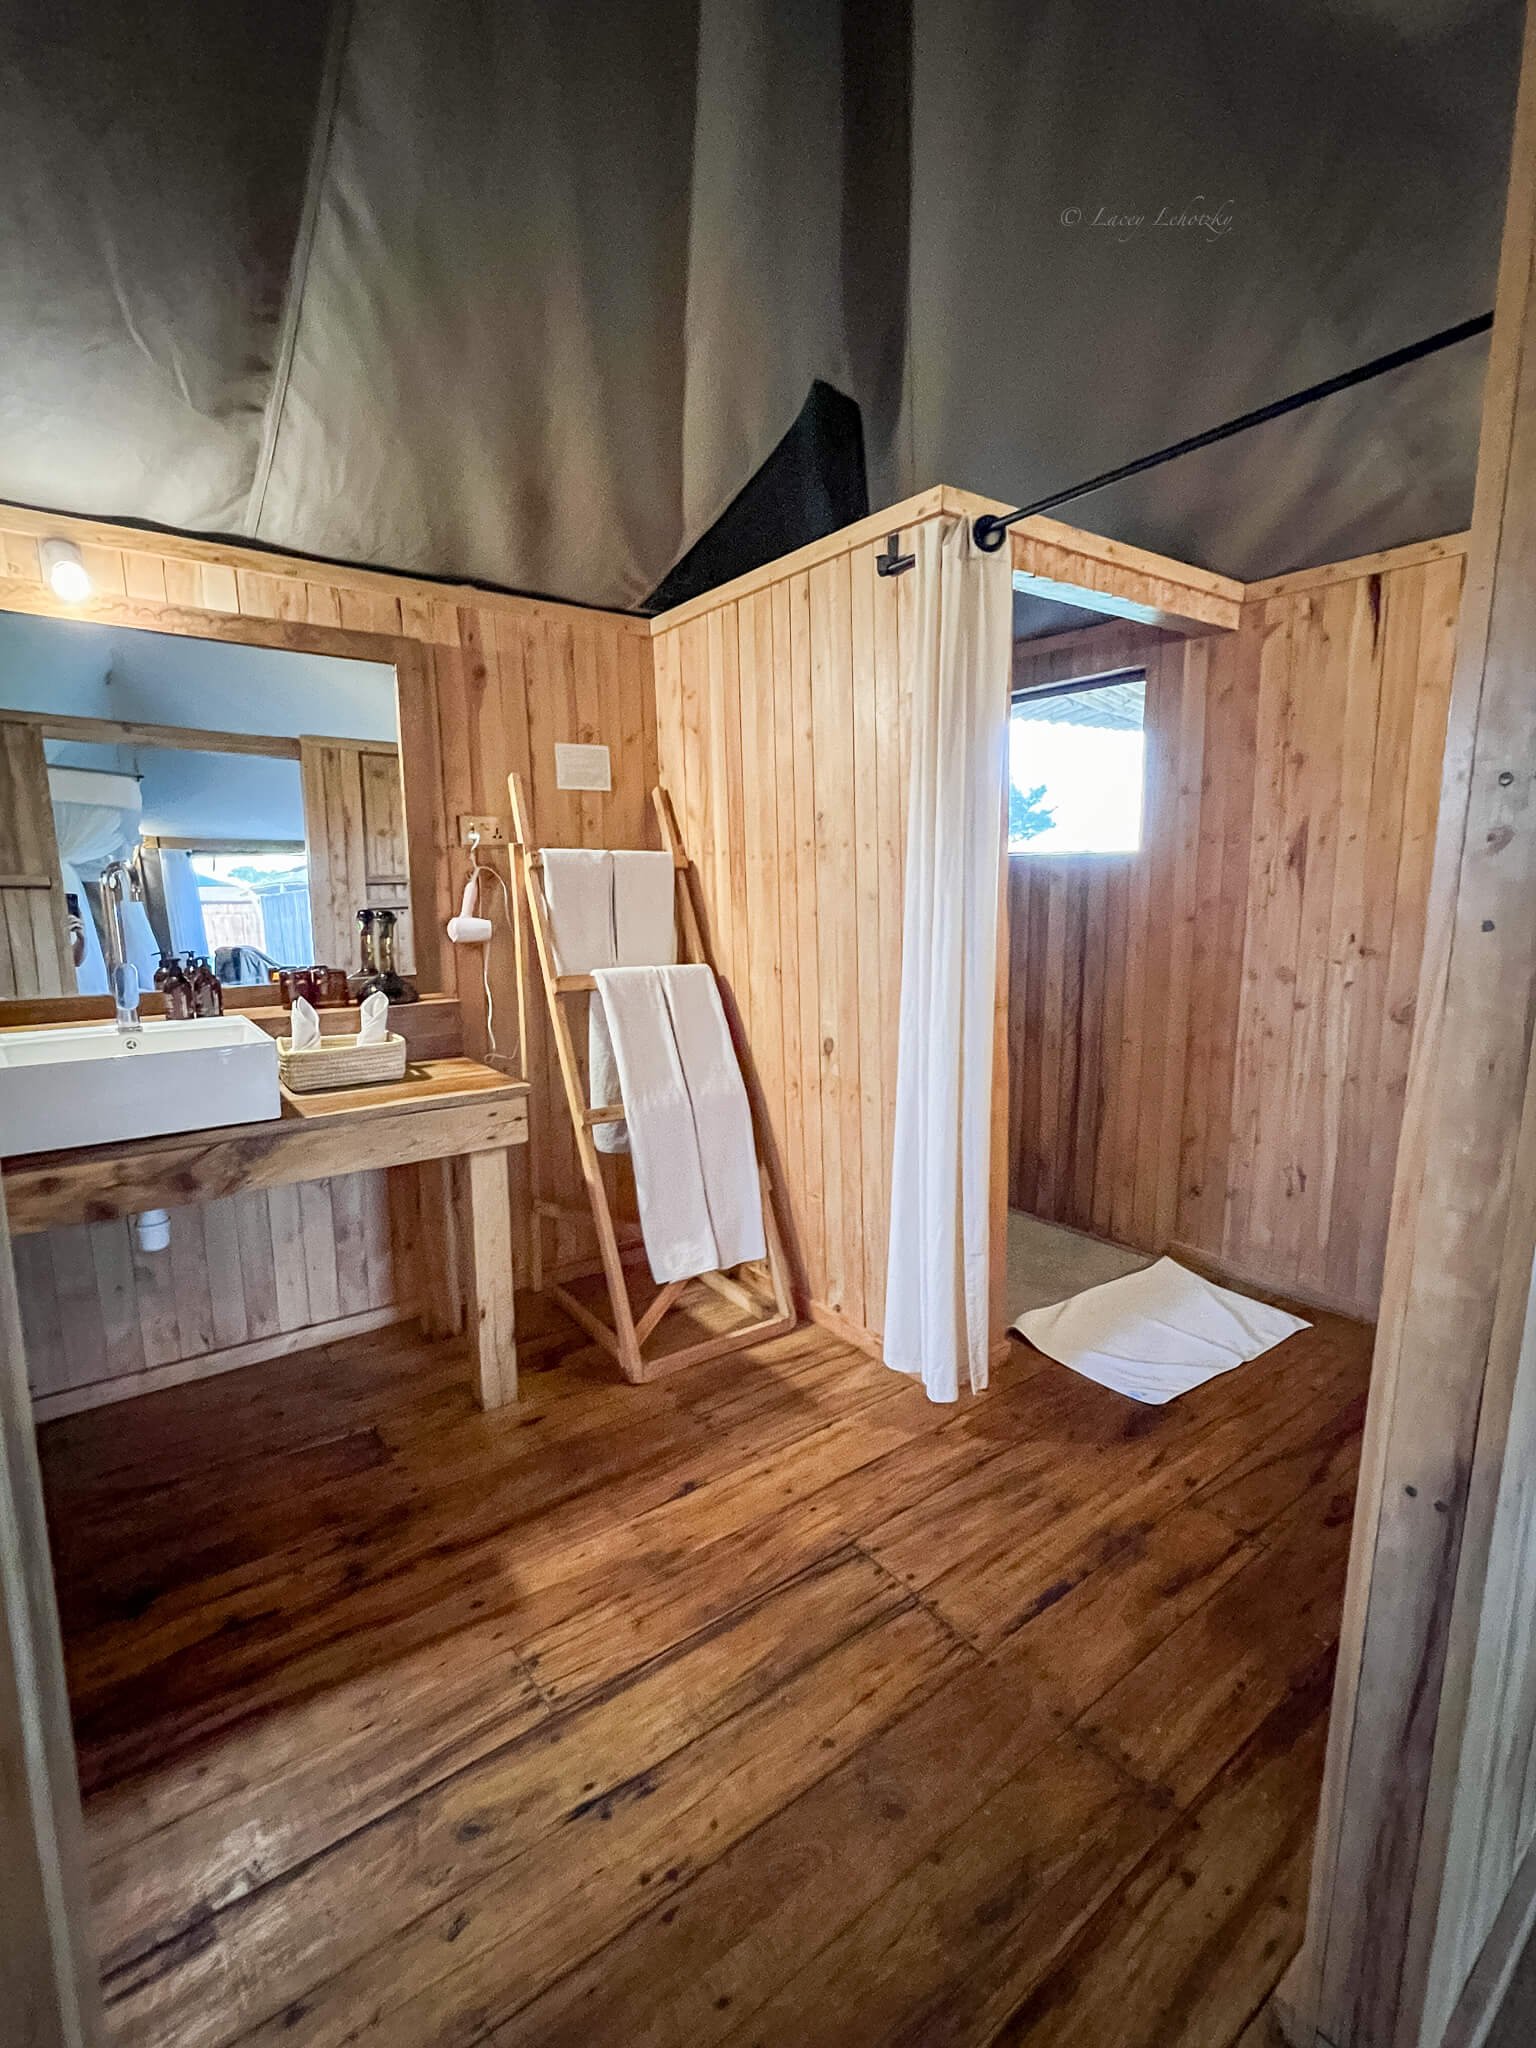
{"points": [[783, 725], [1349, 684], [354, 836], [253, 1274], [486, 684], [783, 715], [34, 950], [1101, 954], [1293, 779], [518, 680]]}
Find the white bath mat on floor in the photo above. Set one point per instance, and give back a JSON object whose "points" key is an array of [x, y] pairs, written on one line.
{"points": [[1156, 1333]]}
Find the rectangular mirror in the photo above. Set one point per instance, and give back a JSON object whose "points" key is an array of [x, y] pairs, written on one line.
{"points": [[257, 789]]}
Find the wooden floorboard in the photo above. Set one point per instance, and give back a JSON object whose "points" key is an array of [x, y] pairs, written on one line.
{"points": [[766, 1705]]}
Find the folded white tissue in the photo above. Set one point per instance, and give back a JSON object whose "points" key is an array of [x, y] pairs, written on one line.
{"points": [[373, 1026], [303, 1026]]}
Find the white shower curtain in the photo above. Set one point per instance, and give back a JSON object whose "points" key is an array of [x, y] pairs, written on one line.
{"points": [[936, 1317], [183, 904], [96, 820]]}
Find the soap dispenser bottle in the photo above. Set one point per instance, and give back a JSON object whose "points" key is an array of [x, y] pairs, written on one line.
{"points": [[207, 990], [176, 989]]}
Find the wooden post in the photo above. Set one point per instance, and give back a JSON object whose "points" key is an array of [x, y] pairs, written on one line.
{"points": [[441, 1308], [48, 1983], [1390, 1934], [490, 1316]]}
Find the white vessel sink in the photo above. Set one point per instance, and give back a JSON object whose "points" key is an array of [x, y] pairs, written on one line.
{"points": [[91, 1084]]}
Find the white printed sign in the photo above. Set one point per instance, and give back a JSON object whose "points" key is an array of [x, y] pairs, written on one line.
{"points": [[582, 768]]}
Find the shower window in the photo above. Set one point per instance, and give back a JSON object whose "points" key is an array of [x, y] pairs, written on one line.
{"points": [[1077, 763]]}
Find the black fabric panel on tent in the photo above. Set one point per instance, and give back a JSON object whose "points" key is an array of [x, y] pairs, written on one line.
{"points": [[527, 293], [811, 484]]}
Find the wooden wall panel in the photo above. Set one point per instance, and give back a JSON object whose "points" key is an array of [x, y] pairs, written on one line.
{"points": [[1349, 685], [1209, 1040], [248, 1276], [354, 836], [1101, 956], [514, 685], [782, 716], [34, 950], [783, 708], [486, 684]]}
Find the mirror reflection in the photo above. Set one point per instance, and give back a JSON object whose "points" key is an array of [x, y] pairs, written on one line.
{"points": [[253, 796]]}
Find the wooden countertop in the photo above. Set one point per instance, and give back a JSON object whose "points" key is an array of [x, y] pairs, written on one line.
{"points": [[440, 1110], [427, 1084]]}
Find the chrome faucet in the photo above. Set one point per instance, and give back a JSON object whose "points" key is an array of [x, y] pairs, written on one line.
{"points": [[119, 884]]}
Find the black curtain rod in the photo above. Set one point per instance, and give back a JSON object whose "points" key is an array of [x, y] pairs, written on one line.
{"points": [[991, 528]]}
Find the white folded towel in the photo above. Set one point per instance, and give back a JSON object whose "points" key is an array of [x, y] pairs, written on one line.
{"points": [[373, 1019], [644, 935], [689, 1121], [644, 910], [669, 1179], [722, 1116], [1155, 1334], [303, 1026], [608, 910], [578, 883]]}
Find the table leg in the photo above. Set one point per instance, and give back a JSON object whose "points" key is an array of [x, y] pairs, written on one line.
{"points": [[437, 1249], [490, 1320]]}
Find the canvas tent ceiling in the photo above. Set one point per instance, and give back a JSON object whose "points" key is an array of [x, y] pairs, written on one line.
{"points": [[527, 292]]}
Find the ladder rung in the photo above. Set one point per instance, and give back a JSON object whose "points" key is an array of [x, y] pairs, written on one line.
{"points": [[574, 985], [613, 1114]]}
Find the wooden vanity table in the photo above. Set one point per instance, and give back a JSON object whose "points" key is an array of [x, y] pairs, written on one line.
{"points": [[456, 1111]]}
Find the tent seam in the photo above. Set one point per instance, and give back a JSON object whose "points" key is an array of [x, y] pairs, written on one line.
{"points": [[298, 271]]}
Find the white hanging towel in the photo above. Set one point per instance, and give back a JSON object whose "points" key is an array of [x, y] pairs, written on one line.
{"points": [[578, 886], [695, 1163], [722, 1116], [644, 910], [645, 935], [578, 883], [669, 1179], [1155, 1334], [603, 1086]]}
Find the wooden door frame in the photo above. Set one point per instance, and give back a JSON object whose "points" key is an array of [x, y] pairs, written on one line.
{"points": [[49, 1989], [1375, 1971]]}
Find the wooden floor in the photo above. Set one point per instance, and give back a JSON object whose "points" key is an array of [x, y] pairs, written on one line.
{"points": [[766, 1705]]}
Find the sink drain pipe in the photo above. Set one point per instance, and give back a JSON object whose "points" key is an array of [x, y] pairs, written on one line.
{"points": [[152, 1230]]}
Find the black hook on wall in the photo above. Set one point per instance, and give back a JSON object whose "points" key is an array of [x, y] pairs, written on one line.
{"points": [[893, 562]]}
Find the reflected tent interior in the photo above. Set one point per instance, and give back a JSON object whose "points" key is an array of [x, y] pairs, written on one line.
{"points": [[256, 790]]}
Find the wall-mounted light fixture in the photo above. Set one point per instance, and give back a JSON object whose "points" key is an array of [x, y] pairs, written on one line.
{"points": [[65, 570]]}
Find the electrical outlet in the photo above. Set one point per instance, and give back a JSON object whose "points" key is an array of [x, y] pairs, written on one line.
{"points": [[492, 831]]}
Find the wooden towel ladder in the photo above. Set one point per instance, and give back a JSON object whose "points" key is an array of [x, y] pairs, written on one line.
{"points": [[764, 1295]]}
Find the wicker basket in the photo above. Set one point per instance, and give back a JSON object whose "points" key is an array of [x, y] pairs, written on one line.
{"points": [[340, 1062]]}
